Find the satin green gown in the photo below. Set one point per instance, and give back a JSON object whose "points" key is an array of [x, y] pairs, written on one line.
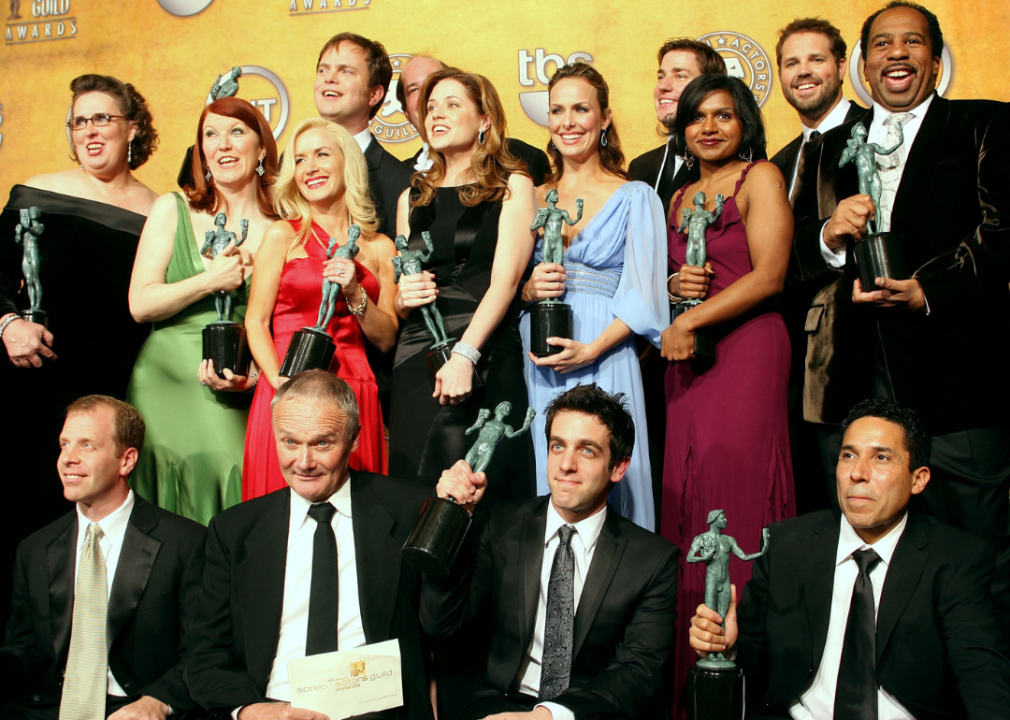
{"points": [[191, 463]]}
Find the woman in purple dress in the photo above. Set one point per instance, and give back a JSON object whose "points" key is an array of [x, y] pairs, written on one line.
{"points": [[727, 441]]}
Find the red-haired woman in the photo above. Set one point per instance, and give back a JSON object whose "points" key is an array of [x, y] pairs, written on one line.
{"points": [[191, 463]]}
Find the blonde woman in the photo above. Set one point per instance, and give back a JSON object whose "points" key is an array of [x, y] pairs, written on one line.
{"points": [[321, 191]]}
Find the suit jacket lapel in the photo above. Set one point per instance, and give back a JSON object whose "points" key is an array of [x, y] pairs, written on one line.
{"points": [[61, 556], [373, 154], [818, 584], [261, 583], [903, 575], [920, 165], [377, 560], [529, 556], [606, 558], [134, 568]]}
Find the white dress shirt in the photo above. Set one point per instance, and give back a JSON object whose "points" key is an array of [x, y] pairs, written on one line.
{"points": [[424, 161], [298, 584], [114, 530], [818, 699], [830, 121], [364, 138], [583, 542], [876, 134]]}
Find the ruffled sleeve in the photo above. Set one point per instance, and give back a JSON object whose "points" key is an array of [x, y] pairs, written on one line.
{"points": [[640, 301]]}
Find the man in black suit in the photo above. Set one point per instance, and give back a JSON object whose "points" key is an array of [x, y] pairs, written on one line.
{"points": [[611, 587], [905, 629], [811, 59], [311, 568], [408, 90], [143, 563], [938, 340]]}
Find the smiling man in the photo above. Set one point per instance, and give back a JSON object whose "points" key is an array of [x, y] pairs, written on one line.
{"points": [[885, 613], [937, 340], [102, 623], [580, 601], [309, 569]]}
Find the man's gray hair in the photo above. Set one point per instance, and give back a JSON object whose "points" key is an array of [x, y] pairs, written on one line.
{"points": [[323, 388]]}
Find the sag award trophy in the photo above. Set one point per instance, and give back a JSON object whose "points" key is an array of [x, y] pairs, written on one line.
{"points": [[439, 534], [312, 348], [551, 317], [224, 341], [226, 85], [696, 222], [880, 254], [27, 233], [408, 262], [715, 684]]}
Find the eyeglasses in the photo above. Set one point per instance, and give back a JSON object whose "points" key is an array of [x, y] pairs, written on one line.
{"points": [[99, 120]]}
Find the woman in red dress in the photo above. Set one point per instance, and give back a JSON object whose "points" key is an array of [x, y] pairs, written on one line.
{"points": [[322, 190]]}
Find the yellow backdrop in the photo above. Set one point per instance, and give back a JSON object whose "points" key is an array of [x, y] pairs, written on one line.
{"points": [[172, 50]]}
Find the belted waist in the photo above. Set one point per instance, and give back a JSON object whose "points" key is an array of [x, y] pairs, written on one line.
{"points": [[585, 279]]}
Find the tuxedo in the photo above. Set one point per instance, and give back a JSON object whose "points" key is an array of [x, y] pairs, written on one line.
{"points": [[536, 160], [239, 619], [623, 626], [150, 612], [656, 167], [935, 622]]}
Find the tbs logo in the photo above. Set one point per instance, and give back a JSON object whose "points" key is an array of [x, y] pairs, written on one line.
{"points": [[534, 102]]}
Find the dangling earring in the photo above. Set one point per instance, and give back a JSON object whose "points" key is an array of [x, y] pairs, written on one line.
{"points": [[603, 137], [260, 169], [748, 157], [553, 146], [129, 153], [480, 138], [207, 176], [689, 159]]}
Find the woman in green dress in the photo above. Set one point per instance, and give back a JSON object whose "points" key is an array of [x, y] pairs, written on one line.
{"points": [[191, 462]]}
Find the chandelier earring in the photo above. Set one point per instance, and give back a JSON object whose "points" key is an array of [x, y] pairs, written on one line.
{"points": [[207, 176], [260, 169], [689, 158], [603, 137], [129, 153], [749, 157]]}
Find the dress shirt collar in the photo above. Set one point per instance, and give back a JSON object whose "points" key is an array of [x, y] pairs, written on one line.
{"points": [[113, 525], [588, 530], [424, 161], [830, 121], [364, 138], [341, 500], [849, 541], [880, 113]]}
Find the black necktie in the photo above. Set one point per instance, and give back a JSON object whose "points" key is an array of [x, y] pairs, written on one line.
{"points": [[323, 595], [559, 625], [856, 690], [800, 163]]}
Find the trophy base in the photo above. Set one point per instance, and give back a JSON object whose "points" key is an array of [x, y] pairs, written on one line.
{"points": [[436, 539], [438, 355], [39, 317], [704, 338], [225, 343], [715, 693], [309, 350], [881, 255], [549, 319]]}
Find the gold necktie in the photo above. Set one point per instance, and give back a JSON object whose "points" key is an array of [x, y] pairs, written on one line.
{"points": [[85, 684]]}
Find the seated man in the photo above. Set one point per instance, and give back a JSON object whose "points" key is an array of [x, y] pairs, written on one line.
{"points": [[309, 569], [100, 623], [805, 632], [580, 601]]}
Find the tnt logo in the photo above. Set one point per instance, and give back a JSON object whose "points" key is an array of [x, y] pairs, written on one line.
{"points": [[534, 102]]}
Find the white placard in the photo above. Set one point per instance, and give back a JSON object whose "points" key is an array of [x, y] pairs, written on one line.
{"points": [[348, 682]]}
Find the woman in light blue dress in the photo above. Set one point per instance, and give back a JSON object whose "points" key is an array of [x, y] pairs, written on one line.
{"points": [[614, 275]]}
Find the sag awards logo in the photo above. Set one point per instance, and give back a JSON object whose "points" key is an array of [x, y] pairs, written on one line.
{"points": [[357, 668], [856, 73], [534, 102], [184, 8], [311, 7], [262, 88], [390, 124], [745, 59], [39, 21]]}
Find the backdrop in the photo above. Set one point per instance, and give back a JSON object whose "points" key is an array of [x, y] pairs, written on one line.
{"points": [[172, 50]]}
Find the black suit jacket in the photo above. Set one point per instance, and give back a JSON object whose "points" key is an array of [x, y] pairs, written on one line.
{"points": [[150, 616], [240, 615], [623, 624], [951, 210], [536, 159], [646, 167], [936, 629], [387, 179]]}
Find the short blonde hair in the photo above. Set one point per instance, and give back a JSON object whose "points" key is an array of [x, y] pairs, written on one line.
{"points": [[288, 201]]}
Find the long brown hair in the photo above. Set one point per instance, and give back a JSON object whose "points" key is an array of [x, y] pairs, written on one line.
{"points": [[611, 157], [491, 162], [201, 196]]}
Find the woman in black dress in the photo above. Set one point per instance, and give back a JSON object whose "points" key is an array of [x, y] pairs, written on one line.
{"points": [[477, 203]]}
